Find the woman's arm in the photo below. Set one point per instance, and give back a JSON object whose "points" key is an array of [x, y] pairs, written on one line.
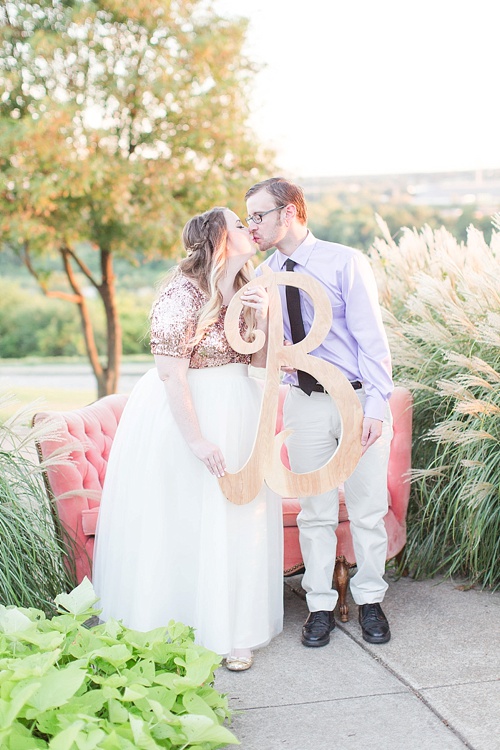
{"points": [[173, 373]]}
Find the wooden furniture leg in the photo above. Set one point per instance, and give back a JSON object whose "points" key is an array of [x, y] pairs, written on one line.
{"points": [[340, 581]]}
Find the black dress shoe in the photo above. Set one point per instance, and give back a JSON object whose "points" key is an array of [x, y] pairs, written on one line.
{"points": [[317, 628], [374, 625]]}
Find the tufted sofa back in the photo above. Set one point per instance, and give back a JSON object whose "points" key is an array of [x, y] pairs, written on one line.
{"points": [[75, 487]]}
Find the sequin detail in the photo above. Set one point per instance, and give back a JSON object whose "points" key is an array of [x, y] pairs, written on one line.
{"points": [[173, 324]]}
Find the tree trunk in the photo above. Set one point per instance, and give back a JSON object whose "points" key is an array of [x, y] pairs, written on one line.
{"points": [[87, 328], [106, 376], [113, 327]]}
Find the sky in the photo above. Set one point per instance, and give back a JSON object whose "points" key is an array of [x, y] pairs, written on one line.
{"points": [[375, 86]]}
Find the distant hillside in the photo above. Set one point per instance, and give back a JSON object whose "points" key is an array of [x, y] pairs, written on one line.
{"points": [[480, 188]]}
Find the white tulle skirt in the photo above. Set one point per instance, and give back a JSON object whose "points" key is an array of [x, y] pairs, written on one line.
{"points": [[169, 545]]}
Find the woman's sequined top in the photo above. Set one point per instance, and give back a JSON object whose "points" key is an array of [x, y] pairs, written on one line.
{"points": [[173, 324]]}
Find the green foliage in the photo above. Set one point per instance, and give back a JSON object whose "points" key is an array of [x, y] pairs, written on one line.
{"points": [[68, 687], [32, 570], [444, 322], [118, 121], [351, 218], [134, 319], [135, 120], [57, 331]]}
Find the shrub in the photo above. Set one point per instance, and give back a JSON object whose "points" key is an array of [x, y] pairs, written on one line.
{"points": [[443, 317], [31, 324], [57, 330], [68, 686]]}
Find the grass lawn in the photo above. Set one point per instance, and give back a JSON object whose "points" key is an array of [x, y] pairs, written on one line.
{"points": [[43, 399]]}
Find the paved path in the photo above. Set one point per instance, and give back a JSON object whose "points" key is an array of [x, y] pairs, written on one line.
{"points": [[434, 686], [66, 376]]}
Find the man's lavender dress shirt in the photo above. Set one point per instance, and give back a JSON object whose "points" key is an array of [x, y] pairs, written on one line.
{"points": [[357, 342]]}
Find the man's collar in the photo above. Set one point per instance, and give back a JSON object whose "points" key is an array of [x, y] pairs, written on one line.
{"points": [[302, 254]]}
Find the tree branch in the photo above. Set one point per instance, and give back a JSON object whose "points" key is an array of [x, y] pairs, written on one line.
{"points": [[62, 295], [29, 265], [83, 268], [26, 257]]}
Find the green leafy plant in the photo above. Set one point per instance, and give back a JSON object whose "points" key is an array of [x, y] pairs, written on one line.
{"points": [[65, 686], [32, 570]]}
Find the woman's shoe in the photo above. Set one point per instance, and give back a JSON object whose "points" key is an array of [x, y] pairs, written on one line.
{"points": [[238, 663]]}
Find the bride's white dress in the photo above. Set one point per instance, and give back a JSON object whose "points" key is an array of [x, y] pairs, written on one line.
{"points": [[169, 545]]}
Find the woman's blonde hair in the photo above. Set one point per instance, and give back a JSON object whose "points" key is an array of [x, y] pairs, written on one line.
{"points": [[205, 239]]}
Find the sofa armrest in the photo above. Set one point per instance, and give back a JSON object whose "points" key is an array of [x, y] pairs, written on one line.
{"points": [[398, 476]]}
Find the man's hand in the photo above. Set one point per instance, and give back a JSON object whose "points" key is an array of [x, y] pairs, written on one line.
{"points": [[372, 430]]}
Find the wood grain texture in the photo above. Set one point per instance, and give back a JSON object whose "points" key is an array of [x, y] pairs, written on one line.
{"points": [[264, 464]]}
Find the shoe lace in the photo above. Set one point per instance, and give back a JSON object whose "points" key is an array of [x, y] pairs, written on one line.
{"points": [[373, 612]]}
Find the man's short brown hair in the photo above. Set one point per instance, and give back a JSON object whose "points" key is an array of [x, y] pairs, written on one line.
{"points": [[283, 192]]}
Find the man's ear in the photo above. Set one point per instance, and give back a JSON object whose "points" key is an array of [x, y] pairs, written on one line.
{"points": [[290, 213]]}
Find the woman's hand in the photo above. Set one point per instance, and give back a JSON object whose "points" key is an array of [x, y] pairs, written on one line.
{"points": [[211, 456], [257, 298]]}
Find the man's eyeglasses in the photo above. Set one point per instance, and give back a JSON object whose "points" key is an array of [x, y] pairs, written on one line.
{"points": [[257, 217]]}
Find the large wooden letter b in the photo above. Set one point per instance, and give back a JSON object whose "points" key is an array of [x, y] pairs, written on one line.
{"points": [[265, 462]]}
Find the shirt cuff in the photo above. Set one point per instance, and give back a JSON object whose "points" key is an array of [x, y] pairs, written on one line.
{"points": [[375, 408]]}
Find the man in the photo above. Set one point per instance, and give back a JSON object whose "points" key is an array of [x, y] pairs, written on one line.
{"points": [[357, 346]]}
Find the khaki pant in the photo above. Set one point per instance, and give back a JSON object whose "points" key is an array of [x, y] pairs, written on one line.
{"points": [[316, 426]]}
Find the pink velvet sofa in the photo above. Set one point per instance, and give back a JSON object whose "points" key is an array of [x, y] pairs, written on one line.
{"points": [[75, 487]]}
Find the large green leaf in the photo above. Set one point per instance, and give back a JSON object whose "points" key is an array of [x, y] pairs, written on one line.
{"points": [[200, 729], [12, 620], [10, 709], [18, 737], [35, 665], [145, 641], [80, 600], [117, 712], [65, 739], [117, 655], [142, 672], [90, 739], [158, 696], [194, 704], [83, 644], [90, 703], [200, 664], [134, 692], [56, 687], [141, 733], [45, 641]]}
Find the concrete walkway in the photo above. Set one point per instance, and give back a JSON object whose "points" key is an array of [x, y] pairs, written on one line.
{"points": [[434, 686]]}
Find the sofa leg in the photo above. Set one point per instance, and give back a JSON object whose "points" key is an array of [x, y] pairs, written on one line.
{"points": [[340, 580]]}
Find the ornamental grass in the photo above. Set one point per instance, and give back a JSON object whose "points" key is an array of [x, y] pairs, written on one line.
{"points": [[441, 300], [32, 569]]}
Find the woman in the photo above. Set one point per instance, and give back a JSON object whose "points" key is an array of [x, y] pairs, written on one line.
{"points": [[169, 544]]}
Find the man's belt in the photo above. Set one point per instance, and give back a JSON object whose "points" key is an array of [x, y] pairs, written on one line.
{"points": [[318, 388]]}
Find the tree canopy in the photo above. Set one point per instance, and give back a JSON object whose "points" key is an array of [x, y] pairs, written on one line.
{"points": [[119, 120]]}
